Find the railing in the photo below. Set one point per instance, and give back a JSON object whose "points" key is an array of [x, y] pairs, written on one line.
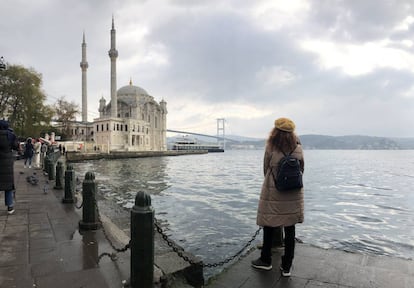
{"points": [[143, 222]]}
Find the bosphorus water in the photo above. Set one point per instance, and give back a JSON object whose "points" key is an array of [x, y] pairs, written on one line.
{"points": [[355, 200]]}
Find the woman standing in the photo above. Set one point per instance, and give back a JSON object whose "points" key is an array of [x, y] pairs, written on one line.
{"points": [[37, 145], [279, 208], [8, 141], [28, 152]]}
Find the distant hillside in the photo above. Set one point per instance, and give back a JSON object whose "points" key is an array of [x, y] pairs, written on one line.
{"points": [[348, 142], [309, 142], [405, 143]]}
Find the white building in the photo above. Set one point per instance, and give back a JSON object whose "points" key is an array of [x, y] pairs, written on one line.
{"points": [[131, 121]]}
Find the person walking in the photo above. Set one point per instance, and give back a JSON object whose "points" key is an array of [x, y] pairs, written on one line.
{"points": [[28, 152], [279, 208], [37, 146], [8, 142]]}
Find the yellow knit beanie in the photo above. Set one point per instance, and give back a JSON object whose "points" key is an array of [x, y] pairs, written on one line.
{"points": [[285, 124]]}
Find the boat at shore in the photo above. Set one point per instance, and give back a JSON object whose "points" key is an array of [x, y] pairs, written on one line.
{"points": [[187, 143]]}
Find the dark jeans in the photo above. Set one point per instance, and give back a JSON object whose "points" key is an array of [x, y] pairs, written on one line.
{"points": [[266, 254], [8, 198]]}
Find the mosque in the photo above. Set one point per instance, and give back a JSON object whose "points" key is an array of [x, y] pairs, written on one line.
{"points": [[131, 121]]}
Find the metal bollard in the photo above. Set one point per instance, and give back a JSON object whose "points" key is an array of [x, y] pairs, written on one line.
{"points": [[59, 176], [142, 242], [69, 184], [89, 212]]}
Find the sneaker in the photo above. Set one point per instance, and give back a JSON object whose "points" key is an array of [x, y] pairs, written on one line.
{"points": [[259, 264], [10, 210], [286, 273]]}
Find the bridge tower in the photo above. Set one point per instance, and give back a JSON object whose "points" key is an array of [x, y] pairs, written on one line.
{"points": [[221, 132]]}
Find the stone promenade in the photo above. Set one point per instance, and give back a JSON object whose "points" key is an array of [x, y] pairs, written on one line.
{"points": [[40, 244]]}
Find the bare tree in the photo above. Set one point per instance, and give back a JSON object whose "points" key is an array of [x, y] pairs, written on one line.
{"points": [[66, 114]]}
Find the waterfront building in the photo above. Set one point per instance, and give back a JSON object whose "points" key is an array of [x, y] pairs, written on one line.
{"points": [[131, 121]]}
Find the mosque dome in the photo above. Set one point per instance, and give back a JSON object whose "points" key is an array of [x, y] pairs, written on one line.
{"points": [[131, 94], [131, 90]]}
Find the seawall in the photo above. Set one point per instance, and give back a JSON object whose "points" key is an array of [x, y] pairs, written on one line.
{"points": [[72, 156]]}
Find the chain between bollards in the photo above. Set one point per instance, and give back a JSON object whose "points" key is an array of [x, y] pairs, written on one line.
{"points": [[179, 251], [113, 255]]}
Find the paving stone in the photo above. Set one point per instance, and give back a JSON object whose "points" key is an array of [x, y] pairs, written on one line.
{"points": [[91, 278]]}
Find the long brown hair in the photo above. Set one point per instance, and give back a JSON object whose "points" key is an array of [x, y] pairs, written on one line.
{"points": [[282, 141]]}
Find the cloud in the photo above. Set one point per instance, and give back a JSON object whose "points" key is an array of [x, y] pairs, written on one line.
{"points": [[335, 67]]}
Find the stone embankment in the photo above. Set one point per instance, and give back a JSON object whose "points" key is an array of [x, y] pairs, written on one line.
{"points": [[80, 156]]}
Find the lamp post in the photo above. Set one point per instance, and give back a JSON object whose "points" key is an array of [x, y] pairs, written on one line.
{"points": [[2, 64]]}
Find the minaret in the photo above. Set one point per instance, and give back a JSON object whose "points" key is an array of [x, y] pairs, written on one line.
{"points": [[84, 67], [113, 54]]}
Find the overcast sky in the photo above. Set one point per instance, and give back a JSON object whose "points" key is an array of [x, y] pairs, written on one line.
{"points": [[334, 67]]}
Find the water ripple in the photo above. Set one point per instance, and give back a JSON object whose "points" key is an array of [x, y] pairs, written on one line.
{"points": [[359, 201]]}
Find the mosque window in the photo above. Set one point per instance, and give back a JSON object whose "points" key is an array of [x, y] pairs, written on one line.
{"points": [[126, 127], [101, 127], [147, 130], [97, 128], [107, 126], [82, 132], [122, 127], [117, 127]]}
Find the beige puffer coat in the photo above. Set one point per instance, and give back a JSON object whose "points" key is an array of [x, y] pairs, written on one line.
{"points": [[279, 208]]}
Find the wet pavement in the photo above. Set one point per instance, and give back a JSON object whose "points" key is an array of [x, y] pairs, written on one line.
{"points": [[40, 244], [315, 267]]}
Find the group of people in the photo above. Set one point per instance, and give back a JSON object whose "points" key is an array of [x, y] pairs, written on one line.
{"points": [[276, 208], [33, 148]]}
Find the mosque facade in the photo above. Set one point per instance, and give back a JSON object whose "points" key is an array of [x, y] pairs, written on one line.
{"points": [[132, 121]]}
